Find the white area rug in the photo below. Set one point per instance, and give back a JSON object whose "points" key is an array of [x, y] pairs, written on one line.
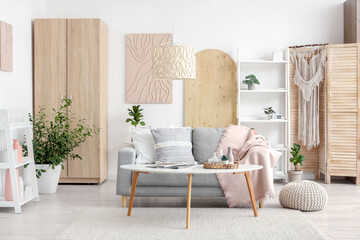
{"points": [[205, 223]]}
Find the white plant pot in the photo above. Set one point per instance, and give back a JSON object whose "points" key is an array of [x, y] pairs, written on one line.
{"points": [[49, 180], [252, 87], [295, 175], [275, 116]]}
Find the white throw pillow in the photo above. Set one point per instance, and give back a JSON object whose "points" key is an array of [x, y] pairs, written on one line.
{"points": [[144, 145]]}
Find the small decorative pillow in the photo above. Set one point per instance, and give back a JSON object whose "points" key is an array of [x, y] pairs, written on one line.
{"points": [[144, 145], [173, 144]]}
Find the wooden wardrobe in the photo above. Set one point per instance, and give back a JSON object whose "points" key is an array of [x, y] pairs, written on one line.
{"points": [[70, 60], [338, 153]]}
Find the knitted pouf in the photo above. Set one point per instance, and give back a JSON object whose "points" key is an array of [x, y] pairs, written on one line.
{"points": [[303, 195]]}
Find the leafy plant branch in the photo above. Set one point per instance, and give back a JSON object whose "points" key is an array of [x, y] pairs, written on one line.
{"points": [[136, 116], [54, 140], [297, 158], [269, 111], [251, 80]]}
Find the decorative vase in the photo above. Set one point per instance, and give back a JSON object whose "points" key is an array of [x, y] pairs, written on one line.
{"points": [[251, 87], [225, 162], [230, 155], [294, 175], [253, 130], [8, 190], [17, 151], [220, 154], [214, 159], [49, 180]]}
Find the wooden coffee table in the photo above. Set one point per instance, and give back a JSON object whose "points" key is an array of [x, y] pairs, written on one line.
{"points": [[138, 169]]}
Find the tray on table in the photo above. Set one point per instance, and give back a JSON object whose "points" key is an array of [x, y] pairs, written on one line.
{"points": [[221, 165]]}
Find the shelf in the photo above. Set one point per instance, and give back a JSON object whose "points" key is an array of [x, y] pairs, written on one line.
{"points": [[26, 160], [280, 90], [280, 147], [4, 203], [28, 199], [260, 61], [15, 126], [263, 120]]}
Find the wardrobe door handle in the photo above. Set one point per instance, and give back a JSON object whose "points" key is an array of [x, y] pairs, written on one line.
{"points": [[62, 97], [71, 97]]}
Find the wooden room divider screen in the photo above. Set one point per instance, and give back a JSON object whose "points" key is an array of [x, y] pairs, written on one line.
{"points": [[338, 152]]}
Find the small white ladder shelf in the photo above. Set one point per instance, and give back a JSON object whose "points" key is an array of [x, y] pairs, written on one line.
{"points": [[10, 121]]}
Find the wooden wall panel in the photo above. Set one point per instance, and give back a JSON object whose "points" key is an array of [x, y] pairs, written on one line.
{"points": [[6, 47], [50, 66], [140, 86], [211, 99], [311, 156], [322, 149], [351, 33]]}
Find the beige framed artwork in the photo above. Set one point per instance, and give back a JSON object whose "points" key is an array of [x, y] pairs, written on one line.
{"points": [[140, 86], [6, 45]]}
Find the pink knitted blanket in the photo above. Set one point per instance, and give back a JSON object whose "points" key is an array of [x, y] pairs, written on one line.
{"points": [[248, 148]]}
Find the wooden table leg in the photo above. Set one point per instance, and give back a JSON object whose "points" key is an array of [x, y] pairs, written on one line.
{"points": [[132, 194], [188, 201], [251, 192]]}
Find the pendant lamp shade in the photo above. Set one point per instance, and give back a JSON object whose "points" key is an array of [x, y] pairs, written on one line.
{"points": [[174, 62]]}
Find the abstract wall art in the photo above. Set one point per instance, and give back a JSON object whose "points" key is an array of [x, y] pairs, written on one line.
{"points": [[140, 86], [6, 47]]}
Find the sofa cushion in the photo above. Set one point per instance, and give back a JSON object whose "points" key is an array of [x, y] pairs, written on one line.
{"points": [[144, 144], [173, 144], [205, 142], [176, 180]]}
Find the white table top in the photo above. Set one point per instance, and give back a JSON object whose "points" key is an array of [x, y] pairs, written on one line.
{"points": [[198, 169]]}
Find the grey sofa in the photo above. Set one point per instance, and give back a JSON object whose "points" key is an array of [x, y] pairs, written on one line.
{"points": [[205, 142]]}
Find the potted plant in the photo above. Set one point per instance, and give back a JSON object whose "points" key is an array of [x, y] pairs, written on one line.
{"points": [[296, 159], [136, 117], [224, 159], [251, 80], [272, 115], [55, 138]]}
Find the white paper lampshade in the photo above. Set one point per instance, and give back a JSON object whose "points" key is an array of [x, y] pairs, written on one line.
{"points": [[174, 62]]}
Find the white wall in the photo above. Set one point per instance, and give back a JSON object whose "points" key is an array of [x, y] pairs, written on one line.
{"points": [[16, 86], [255, 27]]}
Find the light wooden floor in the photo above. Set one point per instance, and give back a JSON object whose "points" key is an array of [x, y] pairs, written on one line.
{"points": [[340, 219]]}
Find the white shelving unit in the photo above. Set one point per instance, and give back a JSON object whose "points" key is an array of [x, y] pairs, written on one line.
{"points": [[8, 162], [283, 93]]}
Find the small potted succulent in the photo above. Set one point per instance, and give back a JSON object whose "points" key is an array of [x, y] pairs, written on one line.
{"points": [[296, 159], [224, 159], [272, 115], [136, 117], [250, 81]]}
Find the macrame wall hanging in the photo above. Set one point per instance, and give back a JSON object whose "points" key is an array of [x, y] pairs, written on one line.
{"points": [[309, 73]]}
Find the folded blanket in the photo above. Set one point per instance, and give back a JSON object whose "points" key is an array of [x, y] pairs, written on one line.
{"points": [[248, 148]]}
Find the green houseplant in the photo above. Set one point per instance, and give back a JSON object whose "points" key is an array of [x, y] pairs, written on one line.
{"points": [[269, 110], [55, 138], [250, 81], [296, 159], [136, 116]]}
